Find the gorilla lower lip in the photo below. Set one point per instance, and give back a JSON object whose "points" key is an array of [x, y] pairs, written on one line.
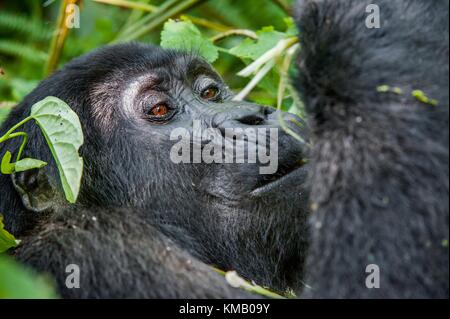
{"points": [[280, 180]]}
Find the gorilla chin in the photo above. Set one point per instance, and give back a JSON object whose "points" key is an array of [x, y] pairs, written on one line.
{"points": [[158, 224]]}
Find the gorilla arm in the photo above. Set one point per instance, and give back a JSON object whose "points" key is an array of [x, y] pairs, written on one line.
{"points": [[380, 161], [114, 250]]}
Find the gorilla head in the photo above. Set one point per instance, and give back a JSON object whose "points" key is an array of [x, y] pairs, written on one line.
{"points": [[130, 98]]}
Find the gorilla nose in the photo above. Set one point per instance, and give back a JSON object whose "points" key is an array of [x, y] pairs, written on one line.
{"points": [[244, 115], [251, 119]]}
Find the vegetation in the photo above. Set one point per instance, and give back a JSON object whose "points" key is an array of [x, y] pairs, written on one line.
{"points": [[35, 39]]}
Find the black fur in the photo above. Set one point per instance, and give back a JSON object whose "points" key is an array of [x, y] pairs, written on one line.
{"points": [[204, 213], [380, 175]]}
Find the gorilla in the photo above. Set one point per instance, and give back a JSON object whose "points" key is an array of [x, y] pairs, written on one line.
{"points": [[144, 226], [371, 202], [380, 162]]}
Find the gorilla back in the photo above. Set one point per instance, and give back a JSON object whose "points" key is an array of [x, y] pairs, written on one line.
{"points": [[143, 225]]}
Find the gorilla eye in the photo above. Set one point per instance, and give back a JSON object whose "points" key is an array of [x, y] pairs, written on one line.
{"points": [[210, 93], [159, 110]]}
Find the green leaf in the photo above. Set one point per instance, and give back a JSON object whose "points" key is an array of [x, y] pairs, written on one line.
{"points": [[7, 240], [20, 88], [21, 166], [253, 49], [7, 167], [184, 35], [62, 131], [291, 30], [3, 114], [28, 163], [17, 282]]}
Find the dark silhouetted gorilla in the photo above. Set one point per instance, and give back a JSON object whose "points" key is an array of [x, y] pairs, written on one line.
{"points": [[380, 162], [143, 225]]}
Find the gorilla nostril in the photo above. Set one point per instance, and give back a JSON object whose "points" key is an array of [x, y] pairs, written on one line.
{"points": [[267, 110], [251, 120]]}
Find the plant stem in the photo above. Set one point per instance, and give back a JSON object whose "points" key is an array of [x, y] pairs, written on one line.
{"points": [[134, 16], [10, 135], [243, 32], [282, 88], [284, 6], [15, 127], [59, 38], [150, 8], [7, 104], [256, 79], [123, 36], [276, 51], [208, 24], [159, 17], [22, 146], [130, 5]]}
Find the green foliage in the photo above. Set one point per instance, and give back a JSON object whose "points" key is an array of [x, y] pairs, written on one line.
{"points": [[15, 280], [62, 131], [26, 36], [7, 240], [422, 97], [23, 51], [419, 95], [184, 35], [268, 37], [35, 29], [27, 164], [18, 282], [3, 114], [22, 165], [263, 54], [7, 167], [21, 88]]}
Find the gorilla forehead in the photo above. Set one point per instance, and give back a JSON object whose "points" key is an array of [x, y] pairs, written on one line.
{"points": [[141, 67]]}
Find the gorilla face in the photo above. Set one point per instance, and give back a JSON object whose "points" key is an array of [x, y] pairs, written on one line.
{"points": [[130, 99], [224, 209]]}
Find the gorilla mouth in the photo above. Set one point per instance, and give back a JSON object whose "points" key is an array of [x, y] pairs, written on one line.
{"points": [[285, 174]]}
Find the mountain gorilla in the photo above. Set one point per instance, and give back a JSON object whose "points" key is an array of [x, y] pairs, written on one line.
{"points": [[143, 225], [146, 227], [380, 162]]}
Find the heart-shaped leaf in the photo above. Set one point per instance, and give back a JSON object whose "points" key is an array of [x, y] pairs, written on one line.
{"points": [[7, 167], [62, 131]]}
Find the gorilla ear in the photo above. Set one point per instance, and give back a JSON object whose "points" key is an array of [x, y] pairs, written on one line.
{"points": [[35, 190]]}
